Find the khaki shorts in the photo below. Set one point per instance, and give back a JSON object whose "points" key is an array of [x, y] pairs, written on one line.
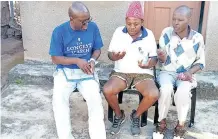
{"points": [[131, 79]]}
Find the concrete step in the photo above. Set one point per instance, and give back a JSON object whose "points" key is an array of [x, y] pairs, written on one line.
{"points": [[41, 73]]}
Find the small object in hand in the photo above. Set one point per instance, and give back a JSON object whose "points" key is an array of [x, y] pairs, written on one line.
{"points": [[144, 56], [145, 60]]}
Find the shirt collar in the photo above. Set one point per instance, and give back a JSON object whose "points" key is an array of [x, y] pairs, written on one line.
{"points": [[143, 35]]}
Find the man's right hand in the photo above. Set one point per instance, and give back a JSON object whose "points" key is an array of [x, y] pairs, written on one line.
{"points": [[118, 55], [84, 66], [162, 55]]}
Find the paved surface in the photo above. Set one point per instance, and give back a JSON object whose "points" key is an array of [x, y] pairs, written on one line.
{"points": [[26, 112]]}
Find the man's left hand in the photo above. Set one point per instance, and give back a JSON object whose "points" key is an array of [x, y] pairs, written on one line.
{"points": [[187, 76]]}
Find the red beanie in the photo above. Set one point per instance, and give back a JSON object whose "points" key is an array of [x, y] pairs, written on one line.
{"points": [[135, 10]]}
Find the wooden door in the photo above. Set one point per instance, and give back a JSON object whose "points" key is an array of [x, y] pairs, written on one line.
{"points": [[158, 14]]}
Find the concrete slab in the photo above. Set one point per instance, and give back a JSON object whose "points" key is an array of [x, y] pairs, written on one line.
{"points": [[40, 73], [26, 113]]}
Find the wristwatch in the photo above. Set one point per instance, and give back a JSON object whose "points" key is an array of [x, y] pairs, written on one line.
{"points": [[92, 59]]}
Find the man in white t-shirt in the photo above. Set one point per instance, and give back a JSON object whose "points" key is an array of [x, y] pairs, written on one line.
{"points": [[133, 48]]}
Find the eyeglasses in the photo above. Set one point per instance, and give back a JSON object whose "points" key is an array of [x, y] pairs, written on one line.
{"points": [[86, 21]]}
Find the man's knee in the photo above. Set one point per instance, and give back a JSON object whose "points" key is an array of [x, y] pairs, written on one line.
{"points": [[109, 90], [154, 94], [166, 88], [182, 95], [166, 91], [184, 89], [61, 95]]}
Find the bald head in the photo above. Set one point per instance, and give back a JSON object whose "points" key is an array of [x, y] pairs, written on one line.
{"points": [[77, 8], [183, 10]]}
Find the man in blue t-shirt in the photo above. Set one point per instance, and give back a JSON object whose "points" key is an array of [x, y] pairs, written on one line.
{"points": [[75, 46]]}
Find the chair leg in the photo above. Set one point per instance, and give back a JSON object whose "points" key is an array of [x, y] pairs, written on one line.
{"points": [[156, 114], [193, 105], [120, 97], [144, 114], [110, 114], [144, 118]]}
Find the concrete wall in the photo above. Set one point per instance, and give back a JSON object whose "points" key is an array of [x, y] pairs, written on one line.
{"points": [[40, 18], [212, 38]]}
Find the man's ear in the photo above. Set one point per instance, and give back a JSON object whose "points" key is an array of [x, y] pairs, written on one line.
{"points": [[142, 22], [189, 19]]}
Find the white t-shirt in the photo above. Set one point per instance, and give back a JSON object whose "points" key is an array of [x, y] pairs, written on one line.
{"points": [[144, 46]]}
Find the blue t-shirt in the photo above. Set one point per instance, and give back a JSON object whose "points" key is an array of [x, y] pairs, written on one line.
{"points": [[72, 43]]}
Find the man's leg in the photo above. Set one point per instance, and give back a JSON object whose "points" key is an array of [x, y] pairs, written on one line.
{"points": [[90, 91], [150, 94], [111, 89], [166, 81], [61, 93], [182, 100], [114, 86]]}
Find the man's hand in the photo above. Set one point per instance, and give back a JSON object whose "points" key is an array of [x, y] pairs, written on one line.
{"points": [[118, 55], [144, 66], [92, 65], [162, 55], [186, 76], [84, 66]]}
